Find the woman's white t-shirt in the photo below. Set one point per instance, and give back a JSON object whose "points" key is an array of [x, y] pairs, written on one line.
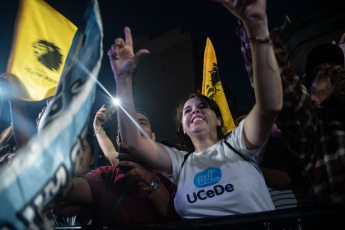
{"points": [[218, 181]]}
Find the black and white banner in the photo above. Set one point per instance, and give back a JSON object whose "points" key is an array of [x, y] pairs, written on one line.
{"points": [[42, 171]]}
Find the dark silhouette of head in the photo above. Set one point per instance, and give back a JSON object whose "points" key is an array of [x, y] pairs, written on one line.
{"points": [[322, 54]]}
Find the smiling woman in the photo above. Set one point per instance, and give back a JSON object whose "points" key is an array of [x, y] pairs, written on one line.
{"points": [[201, 102], [198, 118]]}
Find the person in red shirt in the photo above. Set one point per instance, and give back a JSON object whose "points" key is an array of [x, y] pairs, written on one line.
{"points": [[141, 195]]}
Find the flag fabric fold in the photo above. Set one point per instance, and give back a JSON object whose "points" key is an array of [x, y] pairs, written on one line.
{"points": [[42, 171], [40, 46], [212, 86]]}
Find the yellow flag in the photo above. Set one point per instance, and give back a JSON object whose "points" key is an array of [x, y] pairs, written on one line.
{"points": [[212, 86], [40, 46]]}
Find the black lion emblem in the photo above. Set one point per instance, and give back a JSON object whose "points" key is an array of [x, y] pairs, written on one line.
{"points": [[48, 54], [215, 81]]}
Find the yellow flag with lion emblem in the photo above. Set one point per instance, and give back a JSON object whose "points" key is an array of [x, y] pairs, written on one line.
{"points": [[212, 86], [40, 46]]}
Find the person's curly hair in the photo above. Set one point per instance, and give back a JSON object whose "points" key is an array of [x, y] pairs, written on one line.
{"points": [[336, 75], [186, 143]]}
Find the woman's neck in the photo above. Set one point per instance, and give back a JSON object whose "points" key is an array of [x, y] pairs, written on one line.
{"points": [[201, 142]]}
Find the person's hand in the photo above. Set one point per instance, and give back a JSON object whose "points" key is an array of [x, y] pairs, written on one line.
{"points": [[341, 43], [122, 58], [99, 118], [246, 10], [137, 169]]}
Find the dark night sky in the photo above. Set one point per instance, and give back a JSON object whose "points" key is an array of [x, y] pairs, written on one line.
{"points": [[203, 18]]}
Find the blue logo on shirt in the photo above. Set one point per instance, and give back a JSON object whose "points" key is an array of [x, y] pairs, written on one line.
{"points": [[208, 177]]}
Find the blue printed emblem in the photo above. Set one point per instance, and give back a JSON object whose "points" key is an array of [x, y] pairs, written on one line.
{"points": [[208, 177]]}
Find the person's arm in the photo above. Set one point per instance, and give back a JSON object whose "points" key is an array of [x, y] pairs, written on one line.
{"points": [[103, 140], [266, 78], [298, 118], [160, 197], [123, 62], [78, 195]]}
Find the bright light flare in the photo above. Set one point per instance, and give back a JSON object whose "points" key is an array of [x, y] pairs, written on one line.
{"points": [[116, 101]]}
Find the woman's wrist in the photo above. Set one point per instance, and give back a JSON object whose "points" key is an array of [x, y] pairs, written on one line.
{"points": [[123, 78], [259, 40], [98, 130], [257, 29]]}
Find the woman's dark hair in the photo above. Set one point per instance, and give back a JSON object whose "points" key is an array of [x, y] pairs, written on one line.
{"points": [[186, 143], [7, 141]]}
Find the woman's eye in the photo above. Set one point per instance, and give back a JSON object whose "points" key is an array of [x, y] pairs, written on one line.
{"points": [[187, 111], [202, 106]]}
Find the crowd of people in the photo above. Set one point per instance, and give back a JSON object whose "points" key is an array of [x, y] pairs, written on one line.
{"points": [[293, 137]]}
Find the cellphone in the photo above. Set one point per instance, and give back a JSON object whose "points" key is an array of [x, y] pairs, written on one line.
{"points": [[109, 112], [123, 169]]}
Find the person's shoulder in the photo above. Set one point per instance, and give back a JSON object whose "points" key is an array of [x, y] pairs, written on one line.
{"points": [[104, 173], [236, 132]]}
